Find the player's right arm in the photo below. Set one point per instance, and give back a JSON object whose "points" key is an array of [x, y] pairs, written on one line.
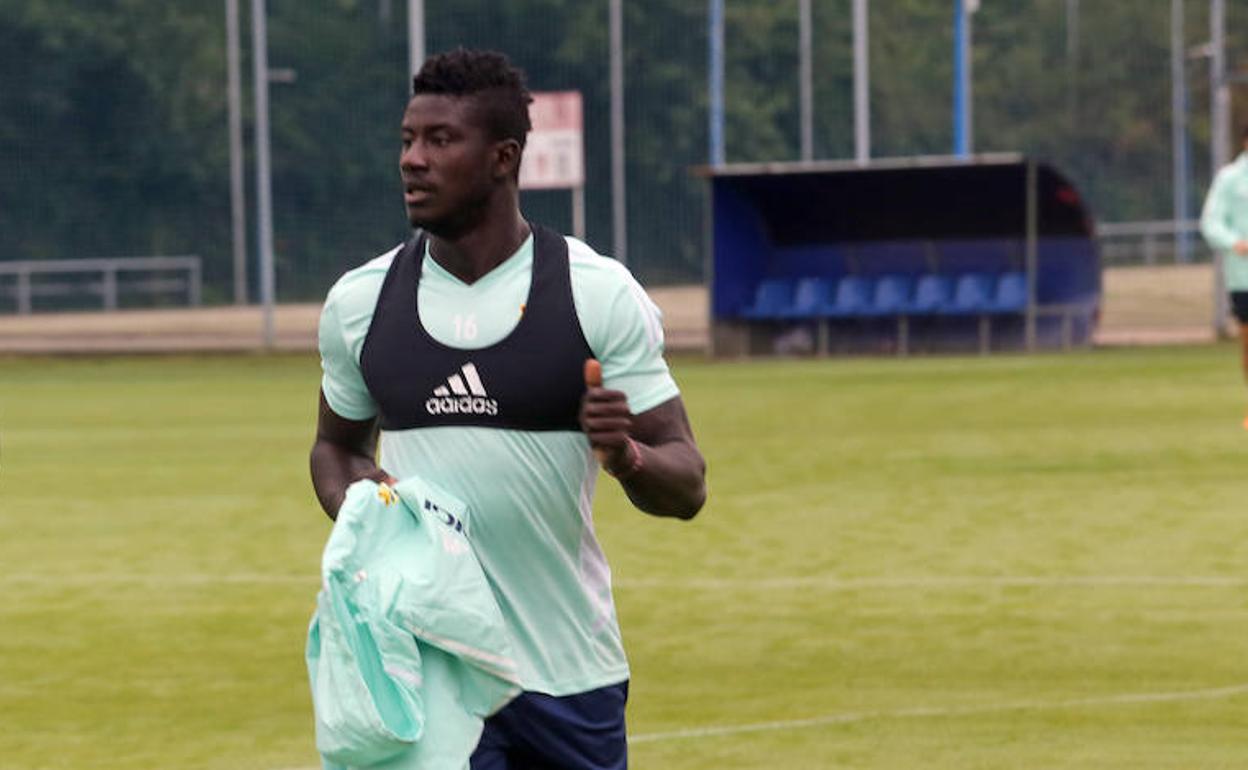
{"points": [[345, 448], [342, 454]]}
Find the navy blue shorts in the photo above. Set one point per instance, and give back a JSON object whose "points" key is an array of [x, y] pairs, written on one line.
{"points": [[1239, 306], [542, 732]]}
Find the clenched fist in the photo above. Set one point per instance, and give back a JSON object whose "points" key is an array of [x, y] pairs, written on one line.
{"points": [[607, 422]]}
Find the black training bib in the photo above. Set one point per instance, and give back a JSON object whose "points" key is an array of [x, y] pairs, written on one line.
{"points": [[532, 379]]}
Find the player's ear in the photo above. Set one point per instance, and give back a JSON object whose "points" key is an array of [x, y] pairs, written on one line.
{"points": [[507, 154]]}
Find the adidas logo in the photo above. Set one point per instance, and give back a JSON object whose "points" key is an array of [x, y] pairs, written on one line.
{"points": [[463, 393]]}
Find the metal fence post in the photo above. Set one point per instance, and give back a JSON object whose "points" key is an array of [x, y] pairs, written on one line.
{"points": [[109, 288], [195, 284], [1032, 257], [23, 292]]}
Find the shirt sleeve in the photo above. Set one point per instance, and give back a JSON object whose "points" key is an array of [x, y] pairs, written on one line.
{"points": [[1214, 216], [624, 329], [341, 379]]}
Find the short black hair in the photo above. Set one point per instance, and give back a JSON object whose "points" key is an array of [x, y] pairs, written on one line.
{"points": [[468, 72]]}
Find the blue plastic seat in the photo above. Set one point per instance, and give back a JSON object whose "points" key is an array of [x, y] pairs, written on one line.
{"points": [[971, 295], [852, 298], [931, 294], [812, 294], [1011, 293], [771, 298], [892, 295]]}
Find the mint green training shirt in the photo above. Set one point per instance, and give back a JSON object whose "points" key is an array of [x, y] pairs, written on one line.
{"points": [[530, 492], [1224, 220]]}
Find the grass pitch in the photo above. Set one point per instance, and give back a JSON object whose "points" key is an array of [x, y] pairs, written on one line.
{"points": [[1023, 562]]}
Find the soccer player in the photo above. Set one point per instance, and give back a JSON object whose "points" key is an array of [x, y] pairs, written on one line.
{"points": [[1224, 223], [462, 353]]}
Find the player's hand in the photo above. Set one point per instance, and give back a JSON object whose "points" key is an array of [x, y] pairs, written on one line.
{"points": [[606, 420], [1241, 247], [380, 476]]}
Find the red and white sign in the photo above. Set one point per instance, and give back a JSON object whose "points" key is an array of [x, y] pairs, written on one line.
{"points": [[554, 154]]}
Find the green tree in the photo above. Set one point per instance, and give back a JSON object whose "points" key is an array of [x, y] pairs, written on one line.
{"points": [[109, 140]]}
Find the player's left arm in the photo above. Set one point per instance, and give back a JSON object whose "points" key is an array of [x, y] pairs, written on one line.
{"points": [[653, 454], [637, 427]]}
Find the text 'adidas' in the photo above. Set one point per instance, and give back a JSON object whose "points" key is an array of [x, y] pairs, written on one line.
{"points": [[462, 395]]}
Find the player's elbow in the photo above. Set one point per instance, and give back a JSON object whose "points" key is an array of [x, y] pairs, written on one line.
{"points": [[672, 501], [692, 495], [697, 498], [693, 506]]}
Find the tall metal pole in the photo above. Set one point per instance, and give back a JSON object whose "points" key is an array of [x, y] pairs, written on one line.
{"points": [[1219, 138], [415, 35], [1220, 106], [264, 180], [862, 99], [1072, 28], [1178, 125], [619, 208], [578, 211], [238, 200], [1072, 63], [1031, 252], [715, 22], [807, 89], [962, 128]]}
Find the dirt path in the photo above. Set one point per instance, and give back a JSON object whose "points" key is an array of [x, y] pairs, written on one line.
{"points": [[240, 328]]}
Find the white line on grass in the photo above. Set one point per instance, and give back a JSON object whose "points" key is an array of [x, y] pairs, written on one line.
{"points": [[195, 579], [920, 712], [816, 582], [1128, 699], [829, 583]]}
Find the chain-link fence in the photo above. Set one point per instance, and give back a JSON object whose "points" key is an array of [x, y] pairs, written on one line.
{"points": [[114, 142]]}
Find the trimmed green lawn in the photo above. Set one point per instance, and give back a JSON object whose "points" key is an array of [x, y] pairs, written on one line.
{"points": [[1024, 562]]}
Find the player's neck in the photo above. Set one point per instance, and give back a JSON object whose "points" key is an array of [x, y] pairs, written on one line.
{"points": [[480, 250]]}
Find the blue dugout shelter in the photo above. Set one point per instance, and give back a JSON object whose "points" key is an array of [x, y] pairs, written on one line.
{"points": [[985, 253]]}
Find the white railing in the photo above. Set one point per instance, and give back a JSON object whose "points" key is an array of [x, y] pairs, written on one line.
{"points": [[1157, 242], [1151, 242], [106, 278]]}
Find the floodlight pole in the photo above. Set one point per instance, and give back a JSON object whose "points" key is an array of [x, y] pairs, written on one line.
{"points": [[1220, 106], [238, 201], [415, 37], [264, 177], [619, 210], [807, 90], [1031, 251], [237, 194], [1072, 28], [1219, 139], [862, 98], [962, 128], [1178, 127], [715, 23], [1072, 62]]}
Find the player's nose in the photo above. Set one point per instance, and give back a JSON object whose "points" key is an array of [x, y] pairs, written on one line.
{"points": [[413, 157]]}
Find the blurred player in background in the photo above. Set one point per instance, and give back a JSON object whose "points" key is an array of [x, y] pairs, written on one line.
{"points": [[1224, 223], [466, 350]]}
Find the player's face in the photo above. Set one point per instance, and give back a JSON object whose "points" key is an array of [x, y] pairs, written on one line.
{"points": [[448, 164]]}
